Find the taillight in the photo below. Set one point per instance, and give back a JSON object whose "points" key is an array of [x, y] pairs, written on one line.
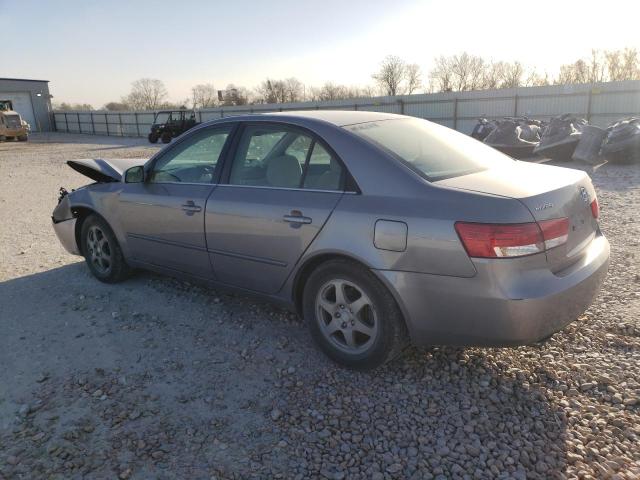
{"points": [[500, 240], [483, 240], [595, 208], [555, 232]]}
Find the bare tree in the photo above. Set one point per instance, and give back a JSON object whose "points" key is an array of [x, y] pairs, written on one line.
{"points": [[534, 79], [413, 77], [295, 90], [204, 95], [146, 94], [511, 75], [64, 106], [235, 96], [391, 75], [441, 77], [622, 64], [116, 106], [459, 73]]}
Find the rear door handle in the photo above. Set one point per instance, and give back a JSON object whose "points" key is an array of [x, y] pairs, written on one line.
{"points": [[296, 218], [190, 207]]}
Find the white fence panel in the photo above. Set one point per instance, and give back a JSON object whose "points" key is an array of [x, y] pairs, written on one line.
{"points": [[600, 103]]}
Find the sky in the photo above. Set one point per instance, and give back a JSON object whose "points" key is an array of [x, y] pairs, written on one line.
{"points": [[91, 51]]}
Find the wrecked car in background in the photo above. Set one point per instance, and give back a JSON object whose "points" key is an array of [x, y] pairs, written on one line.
{"points": [[515, 136]]}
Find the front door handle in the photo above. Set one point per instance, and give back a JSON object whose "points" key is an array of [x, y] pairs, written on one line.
{"points": [[190, 207], [296, 219]]}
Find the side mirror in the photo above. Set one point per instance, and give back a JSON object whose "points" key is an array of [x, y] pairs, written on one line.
{"points": [[134, 175]]}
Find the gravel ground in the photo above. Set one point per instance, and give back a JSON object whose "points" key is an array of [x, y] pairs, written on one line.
{"points": [[157, 378]]}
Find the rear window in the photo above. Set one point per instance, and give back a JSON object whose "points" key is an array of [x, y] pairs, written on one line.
{"points": [[433, 151]]}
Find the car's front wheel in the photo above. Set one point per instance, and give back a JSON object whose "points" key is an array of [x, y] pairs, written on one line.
{"points": [[153, 137], [102, 252], [165, 137], [352, 316], [23, 138]]}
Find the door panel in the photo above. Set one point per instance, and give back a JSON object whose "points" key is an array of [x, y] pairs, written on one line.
{"points": [[163, 218], [164, 224], [251, 243]]}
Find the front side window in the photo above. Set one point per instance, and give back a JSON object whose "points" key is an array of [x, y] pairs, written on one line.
{"points": [[433, 151], [275, 156], [193, 160]]}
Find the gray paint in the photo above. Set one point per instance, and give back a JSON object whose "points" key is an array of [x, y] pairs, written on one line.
{"points": [[242, 237], [38, 90]]}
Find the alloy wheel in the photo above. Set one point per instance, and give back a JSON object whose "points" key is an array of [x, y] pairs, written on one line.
{"points": [[99, 249], [346, 316]]}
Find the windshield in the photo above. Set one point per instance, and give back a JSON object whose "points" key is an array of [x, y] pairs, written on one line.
{"points": [[162, 117], [433, 151]]}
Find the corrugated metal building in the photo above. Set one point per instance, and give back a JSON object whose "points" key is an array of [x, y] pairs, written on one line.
{"points": [[31, 99]]}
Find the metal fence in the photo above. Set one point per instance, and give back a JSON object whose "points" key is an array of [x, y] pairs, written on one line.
{"points": [[600, 103]]}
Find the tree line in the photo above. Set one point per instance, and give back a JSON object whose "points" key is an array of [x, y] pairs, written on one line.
{"points": [[395, 76]]}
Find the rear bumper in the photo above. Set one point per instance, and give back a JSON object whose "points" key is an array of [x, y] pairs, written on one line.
{"points": [[66, 233], [503, 305]]}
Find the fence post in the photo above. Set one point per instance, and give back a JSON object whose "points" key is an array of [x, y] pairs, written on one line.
{"points": [[79, 124], [455, 113], [106, 122], [355, 107], [589, 103], [200, 115], [120, 121], [93, 125], [401, 102], [135, 115], [55, 122], [66, 122], [221, 113], [515, 105]]}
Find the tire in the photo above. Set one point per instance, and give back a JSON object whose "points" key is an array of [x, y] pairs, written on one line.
{"points": [[23, 138], [166, 137], [153, 138], [3, 138], [102, 252], [361, 339]]}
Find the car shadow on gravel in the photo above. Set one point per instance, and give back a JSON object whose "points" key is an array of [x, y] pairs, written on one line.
{"points": [[159, 378]]}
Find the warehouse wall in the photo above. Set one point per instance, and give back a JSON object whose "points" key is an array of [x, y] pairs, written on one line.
{"points": [[600, 103]]}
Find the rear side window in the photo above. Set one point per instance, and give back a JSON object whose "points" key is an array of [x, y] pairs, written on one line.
{"points": [[431, 150], [283, 157]]}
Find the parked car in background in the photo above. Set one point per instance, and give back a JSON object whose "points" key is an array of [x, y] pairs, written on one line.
{"points": [[12, 126], [376, 228], [168, 124]]}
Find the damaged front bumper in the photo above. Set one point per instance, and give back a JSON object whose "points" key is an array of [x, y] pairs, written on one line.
{"points": [[64, 224], [66, 232]]}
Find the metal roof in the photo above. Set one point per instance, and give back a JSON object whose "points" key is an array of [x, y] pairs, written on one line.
{"points": [[24, 80]]}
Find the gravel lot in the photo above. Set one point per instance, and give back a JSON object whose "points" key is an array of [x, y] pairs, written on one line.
{"points": [[157, 378]]}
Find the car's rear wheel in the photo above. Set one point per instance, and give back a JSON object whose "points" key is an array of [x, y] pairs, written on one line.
{"points": [[102, 252], [352, 316], [166, 137], [153, 137]]}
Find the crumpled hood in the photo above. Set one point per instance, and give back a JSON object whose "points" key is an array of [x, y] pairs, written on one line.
{"points": [[105, 170]]}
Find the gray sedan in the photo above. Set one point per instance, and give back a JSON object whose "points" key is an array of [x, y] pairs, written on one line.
{"points": [[377, 229]]}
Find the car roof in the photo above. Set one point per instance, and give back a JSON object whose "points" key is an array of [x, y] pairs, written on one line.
{"points": [[337, 117]]}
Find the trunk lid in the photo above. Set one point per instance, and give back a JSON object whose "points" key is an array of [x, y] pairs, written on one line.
{"points": [[104, 170], [548, 192]]}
